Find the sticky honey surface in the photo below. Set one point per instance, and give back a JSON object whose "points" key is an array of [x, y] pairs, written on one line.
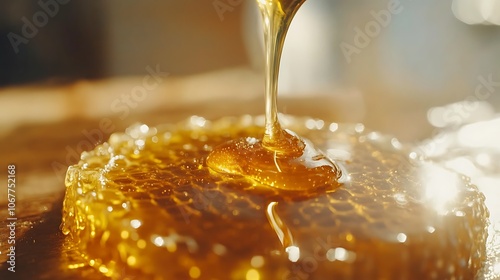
{"points": [[145, 205]]}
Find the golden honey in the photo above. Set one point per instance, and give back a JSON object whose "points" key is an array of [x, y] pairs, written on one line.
{"points": [[280, 158], [146, 205], [243, 198]]}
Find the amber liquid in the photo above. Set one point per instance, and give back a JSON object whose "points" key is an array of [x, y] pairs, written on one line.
{"points": [[191, 202], [146, 205], [281, 159]]}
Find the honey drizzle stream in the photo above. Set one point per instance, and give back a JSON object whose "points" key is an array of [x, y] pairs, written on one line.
{"points": [[280, 159], [276, 18]]}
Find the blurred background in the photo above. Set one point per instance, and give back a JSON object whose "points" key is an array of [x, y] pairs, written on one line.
{"points": [[95, 39], [382, 62]]}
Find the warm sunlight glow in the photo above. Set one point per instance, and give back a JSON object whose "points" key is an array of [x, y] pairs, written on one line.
{"points": [[477, 11], [441, 186]]}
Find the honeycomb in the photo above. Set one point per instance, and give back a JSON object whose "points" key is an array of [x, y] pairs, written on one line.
{"points": [[145, 205]]}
